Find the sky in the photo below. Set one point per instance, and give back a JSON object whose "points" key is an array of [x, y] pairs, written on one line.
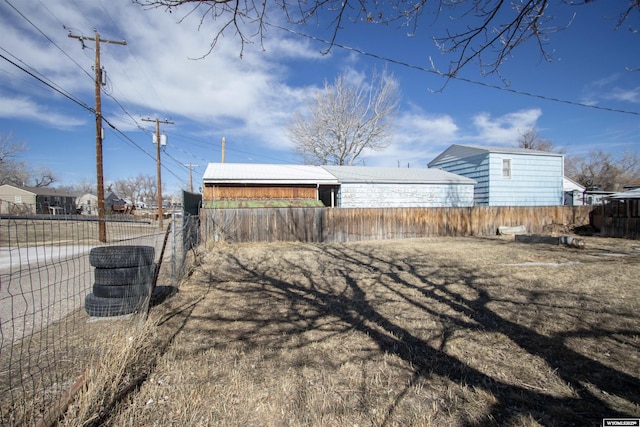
{"points": [[586, 98]]}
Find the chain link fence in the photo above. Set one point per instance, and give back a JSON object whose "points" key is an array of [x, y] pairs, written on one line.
{"points": [[57, 281]]}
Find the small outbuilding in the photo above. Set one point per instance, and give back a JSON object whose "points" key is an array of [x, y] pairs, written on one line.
{"points": [[573, 192], [377, 187], [229, 185], [235, 185], [507, 176]]}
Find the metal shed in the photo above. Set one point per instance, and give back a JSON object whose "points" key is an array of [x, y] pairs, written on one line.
{"points": [[377, 187]]}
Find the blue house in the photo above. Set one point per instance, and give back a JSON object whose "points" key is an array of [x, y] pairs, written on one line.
{"points": [[507, 176]]}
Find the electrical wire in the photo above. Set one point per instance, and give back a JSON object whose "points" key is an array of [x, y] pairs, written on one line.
{"points": [[47, 37], [61, 92], [453, 77]]}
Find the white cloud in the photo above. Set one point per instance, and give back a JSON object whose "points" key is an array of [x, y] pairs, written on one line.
{"points": [[628, 95], [506, 129], [154, 75], [418, 138], [25, 108]]}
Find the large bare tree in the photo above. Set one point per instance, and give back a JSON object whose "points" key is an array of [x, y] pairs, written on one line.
{"points": [[485, 32], [136, 189], [531, 140], [603, 170], [346, 118]]}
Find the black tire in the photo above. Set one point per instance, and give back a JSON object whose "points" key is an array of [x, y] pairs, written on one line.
{"points": [[121, 256], [127, 291], [124, 275], [108, 307]]}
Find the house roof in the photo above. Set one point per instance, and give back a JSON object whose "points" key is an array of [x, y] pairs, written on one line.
{"points": [[266, 174], [42, 191], [305, 174], [633, 184], [631, 194], [395, 175], [570, 185], [456, 151]]}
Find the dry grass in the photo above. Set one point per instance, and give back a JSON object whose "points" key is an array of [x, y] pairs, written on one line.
{"points": [[442, 332]]}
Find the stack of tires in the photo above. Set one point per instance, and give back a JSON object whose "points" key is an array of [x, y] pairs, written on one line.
{"points": [[123, 278]]}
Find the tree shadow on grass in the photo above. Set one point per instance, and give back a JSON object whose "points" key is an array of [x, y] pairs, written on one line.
{"points": [[314, 302]]}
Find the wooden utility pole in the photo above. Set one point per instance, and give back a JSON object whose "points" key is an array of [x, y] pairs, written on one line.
{"points": [[224, 143], [159, 165], [191, 176], [102, 225]]}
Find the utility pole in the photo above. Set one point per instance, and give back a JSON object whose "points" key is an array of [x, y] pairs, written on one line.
{"points": [[224, 143], [191, 176], [158, 165], [102, 225]]}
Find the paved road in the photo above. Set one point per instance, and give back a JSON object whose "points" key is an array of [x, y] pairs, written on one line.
{"points": [[42, 284]]}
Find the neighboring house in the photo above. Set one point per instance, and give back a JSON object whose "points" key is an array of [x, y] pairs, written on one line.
{"points": [[113, 203], [595, 196], [376, 187], [87, 204], [632, 185], [507, 176], [229, 185], [573, 192], [17, 200], [252, 185]]}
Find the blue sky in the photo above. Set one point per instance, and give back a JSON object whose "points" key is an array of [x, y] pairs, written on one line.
{"points": [[249, 100]]}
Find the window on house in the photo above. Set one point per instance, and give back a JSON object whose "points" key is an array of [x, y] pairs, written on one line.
{"points": [[18, 199], [506, 168]]}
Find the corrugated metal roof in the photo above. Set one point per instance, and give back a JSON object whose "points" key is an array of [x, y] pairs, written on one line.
{"points": [[305, 174], [395, 175], [457, 151], [631, 194], [267, 174]]}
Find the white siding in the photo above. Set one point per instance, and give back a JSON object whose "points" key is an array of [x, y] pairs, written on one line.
{"points": [[477, 168], [534, 181], [380, 195]]}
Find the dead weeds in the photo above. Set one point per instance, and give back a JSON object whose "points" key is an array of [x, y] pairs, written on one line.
{"points": [[453, 332]]}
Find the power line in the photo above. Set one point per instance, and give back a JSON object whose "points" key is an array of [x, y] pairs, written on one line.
{"points": [[71, 98], [46, 36], [65, 94], [453, 77]]}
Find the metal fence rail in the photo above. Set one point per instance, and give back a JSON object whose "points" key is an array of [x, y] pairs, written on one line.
{"points": [[46, 335]]}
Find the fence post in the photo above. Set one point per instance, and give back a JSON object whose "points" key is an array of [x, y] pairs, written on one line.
{"points": [[173, 237]]}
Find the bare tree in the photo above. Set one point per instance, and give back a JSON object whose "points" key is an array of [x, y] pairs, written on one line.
{"points": [[486, 32], [84, 187], [43, 177], [12, 170], [531, 140], [603, 170], [142, 187], [345, 119]]}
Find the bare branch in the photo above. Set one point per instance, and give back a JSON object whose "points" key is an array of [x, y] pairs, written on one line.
{"points": [[488, 33]]}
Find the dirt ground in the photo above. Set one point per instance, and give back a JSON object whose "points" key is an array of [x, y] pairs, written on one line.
{"points": [[423, 332]]}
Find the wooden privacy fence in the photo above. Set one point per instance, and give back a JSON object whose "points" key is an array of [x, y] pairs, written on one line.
{"points": [[353, 224]]}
